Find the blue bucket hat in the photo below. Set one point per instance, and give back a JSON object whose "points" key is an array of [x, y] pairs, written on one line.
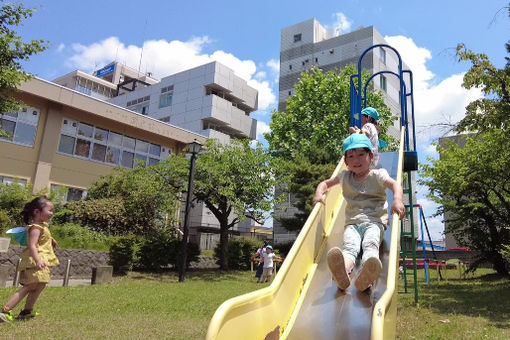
{"points": [[356, 141], [371, 112], [269, 247]]}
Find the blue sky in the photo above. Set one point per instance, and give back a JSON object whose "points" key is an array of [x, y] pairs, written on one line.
{"points": [[245, 35]]}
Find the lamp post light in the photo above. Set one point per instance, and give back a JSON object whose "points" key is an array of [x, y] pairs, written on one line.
{"points": [[194, 149]]}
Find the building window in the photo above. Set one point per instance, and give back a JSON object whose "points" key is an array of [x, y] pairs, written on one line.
{"points": [[382, 54], [21, 126], [165, 99], [10, 180], [69, 194], [316, 60], [140, 105], [297, 37], [82, 140], [290, 67], [382, 84], [290, 92]]}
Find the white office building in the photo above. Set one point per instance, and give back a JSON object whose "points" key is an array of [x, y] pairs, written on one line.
{"points": [[209, 100]]}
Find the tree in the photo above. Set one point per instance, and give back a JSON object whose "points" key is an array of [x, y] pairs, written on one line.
{"points": [[493, 110], [310, 133], [317, 116], [13, 50], [235, 181], [135, 201], [472, 185], [306, 175]]}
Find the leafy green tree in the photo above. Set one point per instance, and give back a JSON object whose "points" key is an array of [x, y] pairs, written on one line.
{"points": [[13, 198], [235, 181], [306, 175], [310, 133], [13, 50], [493, 110], [135, 201], [317, 116], [471, 184]]}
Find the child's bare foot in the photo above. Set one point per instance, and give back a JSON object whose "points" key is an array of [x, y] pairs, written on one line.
{"points": [[336, 265], [369, 273]]}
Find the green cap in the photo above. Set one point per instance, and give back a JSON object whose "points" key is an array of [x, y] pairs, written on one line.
{"points": [[356, 141], [371, 112]]}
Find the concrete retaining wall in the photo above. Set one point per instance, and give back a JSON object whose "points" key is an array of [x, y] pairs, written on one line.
{"points": [[82, 261]]}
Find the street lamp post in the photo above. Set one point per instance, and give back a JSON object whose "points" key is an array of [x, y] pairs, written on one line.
{"points": [[194, 149]]}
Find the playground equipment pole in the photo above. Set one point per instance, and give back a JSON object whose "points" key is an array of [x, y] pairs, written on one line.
{"points": [[430, 240]]}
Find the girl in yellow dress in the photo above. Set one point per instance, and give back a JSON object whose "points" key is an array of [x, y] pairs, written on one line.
{"points": [[36, 259]]}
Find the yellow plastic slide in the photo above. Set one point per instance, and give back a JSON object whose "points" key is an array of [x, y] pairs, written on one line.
{"points": [[303, 302]]}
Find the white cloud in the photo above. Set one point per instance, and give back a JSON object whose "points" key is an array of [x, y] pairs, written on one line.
{"points": [[163, 58], [60, 47], [430, 150], [262, 128], [274, 66], [434, 104], [342, 24], [260, 75]]}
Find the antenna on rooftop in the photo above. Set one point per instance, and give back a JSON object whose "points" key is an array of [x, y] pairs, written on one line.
{"points": [[143, 43]]}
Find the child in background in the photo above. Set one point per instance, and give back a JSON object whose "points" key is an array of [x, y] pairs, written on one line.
{"points": [[369, 118], [269, 258], [36, 259], [366, 213], [260, 254]]}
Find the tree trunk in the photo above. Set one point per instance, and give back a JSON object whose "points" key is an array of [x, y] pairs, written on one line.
{"points": [[500, 265], [223, 246]]}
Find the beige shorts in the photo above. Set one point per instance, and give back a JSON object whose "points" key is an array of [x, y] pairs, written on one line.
{"points": [[34, 275], [267, 271]]}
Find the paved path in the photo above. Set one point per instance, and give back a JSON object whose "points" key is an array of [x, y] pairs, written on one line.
{"points": [[59, 282]]}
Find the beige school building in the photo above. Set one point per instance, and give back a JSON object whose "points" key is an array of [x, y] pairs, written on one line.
{"points": [[65, 138]]}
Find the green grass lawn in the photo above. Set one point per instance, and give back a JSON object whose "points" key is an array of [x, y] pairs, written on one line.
{"points": [[151, 306], [476, 307], [138, 306]]}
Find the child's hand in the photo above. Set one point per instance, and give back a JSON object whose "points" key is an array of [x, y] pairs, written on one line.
{"points": [[398, 207], [41, 264], [353, 129], [318, 198]]}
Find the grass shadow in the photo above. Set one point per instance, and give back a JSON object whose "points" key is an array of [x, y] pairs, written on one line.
{"points": [[485, 297]]}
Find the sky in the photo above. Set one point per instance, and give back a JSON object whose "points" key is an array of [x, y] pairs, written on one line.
{"points": [[165, 37]]}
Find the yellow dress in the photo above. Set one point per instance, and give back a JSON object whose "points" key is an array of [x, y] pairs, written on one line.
{"points": [[28, 267]]}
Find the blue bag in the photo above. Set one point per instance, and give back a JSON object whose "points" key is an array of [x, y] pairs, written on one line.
{"points": [[19, 234]]}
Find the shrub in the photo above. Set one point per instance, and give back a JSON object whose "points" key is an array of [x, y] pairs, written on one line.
{"points": [[62, 217], [124, 252], [284, 248], [193, 253], [158, 250], [74, 236], [12, 199], [240, 251], [107, 215]]}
